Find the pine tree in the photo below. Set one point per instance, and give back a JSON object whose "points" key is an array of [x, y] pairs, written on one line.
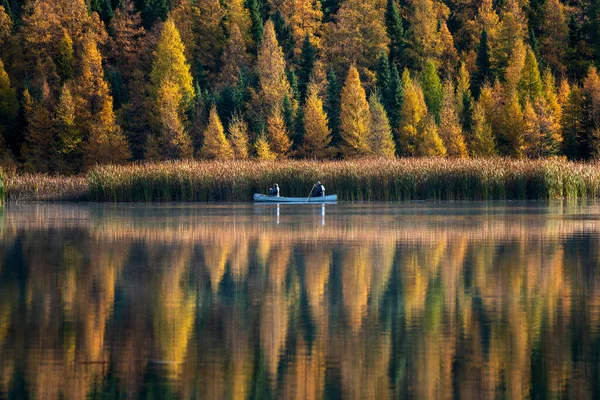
{"points": [[395, 31], [332, 105], [9, 107], [170, 62], [412, 115], [263, 149], [257, 29], [483, 72], [572, 122], [65, 60], [354, 117], [429, 143], [279, 138], [450, 128], [285, 37], [271, 71], [464, 99], [153, 10], [307, 62], [432, 89], [6, 26], [215, 144], [380, 139], [482, 138], [238, 137], [317, 135]]}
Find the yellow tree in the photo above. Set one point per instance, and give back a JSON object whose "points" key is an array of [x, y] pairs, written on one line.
{"points": [[238, 137], [279, 138], [39, 148], [235, 57], [354, 117], [317, 134], [380, 138], [412, 114], [5, 27], [170, 62], [488, 20], [215, 144], [70, 138], [171, 140], [482, 138], [237, 14], [450, 128], [358, 35], [511, 125], [9, 105], [128, 38], [94, 105], [554, 40], [430, 143], [533, 141], [304, 17], [263, 149], [270, 68]]}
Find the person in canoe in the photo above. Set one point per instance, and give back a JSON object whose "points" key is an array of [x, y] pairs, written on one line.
{"points": [[274, 191], [318, 190]]}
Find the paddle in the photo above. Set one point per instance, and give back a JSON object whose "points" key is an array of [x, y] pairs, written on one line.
{"points": [[309, 196]]}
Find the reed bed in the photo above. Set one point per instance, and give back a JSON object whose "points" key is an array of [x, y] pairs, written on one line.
{"points": [[351, 180], [40, 187]]}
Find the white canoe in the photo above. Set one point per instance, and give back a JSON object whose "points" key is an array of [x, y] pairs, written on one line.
{"points": [[261, 198]]}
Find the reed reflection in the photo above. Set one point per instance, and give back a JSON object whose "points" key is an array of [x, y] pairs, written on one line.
{"points": [[234, 305]]}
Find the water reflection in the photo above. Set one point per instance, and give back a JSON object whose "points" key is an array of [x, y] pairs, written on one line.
{"points": [[380, 302]]}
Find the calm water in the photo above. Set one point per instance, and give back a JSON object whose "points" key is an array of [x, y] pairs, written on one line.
{"points": [[375, 301]]}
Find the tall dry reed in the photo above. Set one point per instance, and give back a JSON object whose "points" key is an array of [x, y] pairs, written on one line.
{"points": [[351, 180]]}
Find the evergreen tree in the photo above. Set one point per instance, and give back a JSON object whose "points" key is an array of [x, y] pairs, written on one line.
{"points": [[307, 62], [482, 138], [384, 79], [354, 117], [450, 129], [589, 142], [380, 138], [332, 106], [279, 138], [215, 144], [238, 137], [554, 36], [483, 72], [395, 30], [394, 95], [257, 29], [284, 34], [153, 10], [573, 123], [432, 89], [330, 8], [464, 99], [317, 135]]}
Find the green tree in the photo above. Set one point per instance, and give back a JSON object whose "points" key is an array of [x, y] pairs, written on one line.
{"points": [[257, 29], [432, 89], [66, 58], [483, 73], [395, 31], [153, 10], [530, 84], [307, 62]]}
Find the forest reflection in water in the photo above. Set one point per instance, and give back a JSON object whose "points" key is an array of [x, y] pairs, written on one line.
{"points": [[367, 301]]}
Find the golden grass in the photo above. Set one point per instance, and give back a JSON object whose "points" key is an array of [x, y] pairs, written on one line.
{"points": [[351, 180]]}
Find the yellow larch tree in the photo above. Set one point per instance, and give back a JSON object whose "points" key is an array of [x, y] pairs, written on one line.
{"points": [[5, 28], [215, 144], [235, 58], [380, 138], [482, 138], [279, 138], [450, 128], [270, 68], [263, 149], [412, 114], [429, 143], [94, 105], [317, 134], [238, 137], [304, 17], [355, 118], [237, 14]]}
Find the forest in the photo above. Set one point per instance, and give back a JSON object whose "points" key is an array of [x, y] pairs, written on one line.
{"points": [[88, 82]]}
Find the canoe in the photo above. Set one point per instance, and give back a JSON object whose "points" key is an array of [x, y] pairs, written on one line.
{"points": [[261, 198]]}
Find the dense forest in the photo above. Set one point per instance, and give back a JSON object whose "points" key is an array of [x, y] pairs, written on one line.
{"points": [[85, 82]]}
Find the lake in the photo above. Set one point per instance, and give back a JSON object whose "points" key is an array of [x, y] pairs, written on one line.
{"points": [[358, 301]]}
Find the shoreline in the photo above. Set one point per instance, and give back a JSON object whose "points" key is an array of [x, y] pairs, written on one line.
{"points": [[352, 180]]}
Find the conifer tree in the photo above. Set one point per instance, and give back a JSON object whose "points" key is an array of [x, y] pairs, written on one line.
{"points": [[572, 122], [395, 31], [238, 14], [532, 137], [511, 126], [153, 10], [238, 137], [40, 147], [271, 71], [285, 37], [6, 26], [128, 38], [530, 84], [464, 99], [412, 115], [432, 89], [215, 144], [304, 17], [279, 138], [354, 117], [257, 29], [307, 62], [589, 143], [482, 138], [554, 36], [170, 62], [70, 138], [450, 129], [9, 107], [235, 58], [483, 72], [380, 138], [332, 106], [65, 60], [263, 149], [317, 135], [430, 144]]}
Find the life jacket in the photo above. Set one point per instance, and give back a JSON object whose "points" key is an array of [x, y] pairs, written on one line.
{"points": [[274, 192], [320, 191]]}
